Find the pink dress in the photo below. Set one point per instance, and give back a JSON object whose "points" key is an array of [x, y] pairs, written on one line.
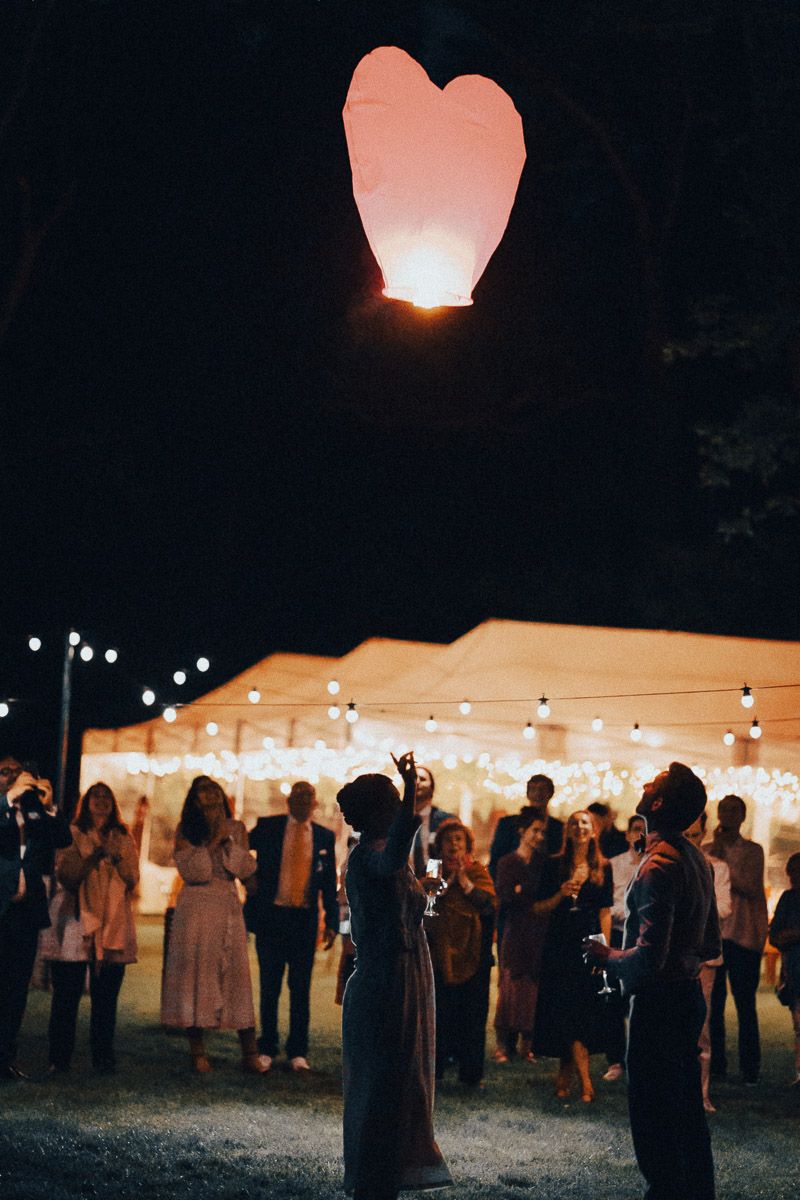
{"points": [[207, 974]]}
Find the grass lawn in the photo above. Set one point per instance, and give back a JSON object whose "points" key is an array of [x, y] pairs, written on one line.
{"points": [[155, 1129]]}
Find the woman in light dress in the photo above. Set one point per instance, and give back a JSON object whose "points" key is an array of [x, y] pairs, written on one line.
{"points": [[207, 974]]}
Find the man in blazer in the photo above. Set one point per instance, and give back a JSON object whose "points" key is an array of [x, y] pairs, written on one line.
{"points": [[296, 868], [539, 793], [430, 817], [30, 833]]}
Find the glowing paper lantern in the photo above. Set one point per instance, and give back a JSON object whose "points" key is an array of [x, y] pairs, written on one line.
{"points": [[435, 173]]}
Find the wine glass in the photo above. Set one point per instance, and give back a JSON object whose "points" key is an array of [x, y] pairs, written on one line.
{"points": [[579, 877], [432, 883], [605, 990]]}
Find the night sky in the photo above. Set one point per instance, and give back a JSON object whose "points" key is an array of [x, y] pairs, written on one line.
{"points": [[218, 438]]}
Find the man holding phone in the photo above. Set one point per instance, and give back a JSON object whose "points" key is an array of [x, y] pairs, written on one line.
{"points": [[31, 831]]}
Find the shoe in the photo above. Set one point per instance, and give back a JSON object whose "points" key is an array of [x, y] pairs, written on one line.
{"points": [[588, 1096], [708, 1106], [298, 1063], [795, 1084], [614, 1072], [562, 1085], [256, 1064], [53, 1070], [201, 1064], [750, 1082], [12, 1073], [500, 1056]]}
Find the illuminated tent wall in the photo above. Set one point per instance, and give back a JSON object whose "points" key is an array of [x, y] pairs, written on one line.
{"points": [[482, 759]]}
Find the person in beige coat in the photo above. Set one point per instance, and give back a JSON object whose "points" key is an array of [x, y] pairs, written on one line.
{"points": [[91, 928], [207, 974]]}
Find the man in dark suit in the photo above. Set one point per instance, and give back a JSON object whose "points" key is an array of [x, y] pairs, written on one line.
{"points": [[539, 793], [430, 817], [296, 867], [30, 833]]}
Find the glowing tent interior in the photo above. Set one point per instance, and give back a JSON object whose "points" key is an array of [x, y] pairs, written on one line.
{"points": [[470, 710]]}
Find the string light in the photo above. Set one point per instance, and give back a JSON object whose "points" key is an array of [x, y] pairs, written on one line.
{"points": [[285, 788], [202, 664], [465, 708], [729, 738], [351, 716], [636, 733], [430, 724], [4, 709], [170, 715], [334, 712], [212, 728], [755, 729], [529, 733], [34, 644], [179, 677], [748, 699], [148, 696], [333, 687], [544, 708], [597, 725], [74, 638], [111, 655], [254, 695], [87, 653]]}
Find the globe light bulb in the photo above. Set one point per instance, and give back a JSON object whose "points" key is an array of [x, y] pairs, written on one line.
{"points": [[4, 709], [212, 728], [334, 712], [333, 687], [351, 716], [170, 715], [202, 664], [74, 638], [179, 677], [755, 729], [34, 644], [729, 738], [465, 708], [254, 695], [597, 725], [636, 733], [430, 724], [543, 710], [111, 655], [86, 653], [748, 699], [148, 696], [285, 788], [529, 733]]}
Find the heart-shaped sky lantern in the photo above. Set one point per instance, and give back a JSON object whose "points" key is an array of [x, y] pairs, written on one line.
{"points": [[435, 173]]}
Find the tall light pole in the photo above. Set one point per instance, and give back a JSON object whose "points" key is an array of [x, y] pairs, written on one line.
{"points": [[63, 732]]}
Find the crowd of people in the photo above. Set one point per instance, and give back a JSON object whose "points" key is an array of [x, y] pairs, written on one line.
{"points": [[415, 988]]}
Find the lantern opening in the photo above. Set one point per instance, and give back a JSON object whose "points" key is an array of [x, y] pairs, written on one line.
{"points": [[426, 272]]}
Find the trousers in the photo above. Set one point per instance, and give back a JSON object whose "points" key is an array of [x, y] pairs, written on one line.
{"points": [[105, 981], [286, 937], [18, 940], [743, 968]]}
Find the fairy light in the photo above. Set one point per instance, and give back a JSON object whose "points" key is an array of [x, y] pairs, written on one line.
{"points": [[285, 788], [86, 653], [748, 699], [334, 687], [597, 725], [4, 709], [465, 708], [202, 664], [529, 733], [148, 696], [543, 710], [254, 695], [212, 728], [170, 715], [179, 677], [755, 729], [636, 733], [729, 737], [111, 655], [74, 638], [34, 644], [431, 725], [351, 716], [334, 712]]}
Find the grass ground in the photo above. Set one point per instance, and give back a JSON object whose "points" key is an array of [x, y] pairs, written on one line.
{"points": [[156, 1130]]}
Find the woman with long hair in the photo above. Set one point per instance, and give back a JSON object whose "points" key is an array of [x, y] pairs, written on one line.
{"points": [[388, 1042], [207, 974], [91, 926], [570, 1015]]}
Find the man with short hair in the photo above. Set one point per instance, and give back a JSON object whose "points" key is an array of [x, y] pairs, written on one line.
{"points": [[296, 868], [430, 817], [31, 831], [744, 937], [612, 840], [671, 928], [539, 792]]}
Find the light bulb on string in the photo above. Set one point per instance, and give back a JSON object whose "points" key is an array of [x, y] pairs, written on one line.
{"points": [[529, 733], [74, 638], [748, 699], [755, 729], [170, 714], [334, 712], [179, 677], [729, 737], [86, 653], [465, 708], [111, 655], [543, 710], [254, 695], [212, 728], [431, 725], [334, 687], [202, 663], [636, 733], [4, 708], [597, 725], [34, 644], [148, 696], [285, 788], [351, 716]]}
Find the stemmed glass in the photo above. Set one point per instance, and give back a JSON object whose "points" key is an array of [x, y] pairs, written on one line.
{"points": [[433, 884], [605, 990], [578, 879]]}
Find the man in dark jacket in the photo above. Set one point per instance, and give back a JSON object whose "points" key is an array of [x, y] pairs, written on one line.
{"points": [[296, 868], [539, 792], [671, 928], [430, 817], [30, 833]]}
